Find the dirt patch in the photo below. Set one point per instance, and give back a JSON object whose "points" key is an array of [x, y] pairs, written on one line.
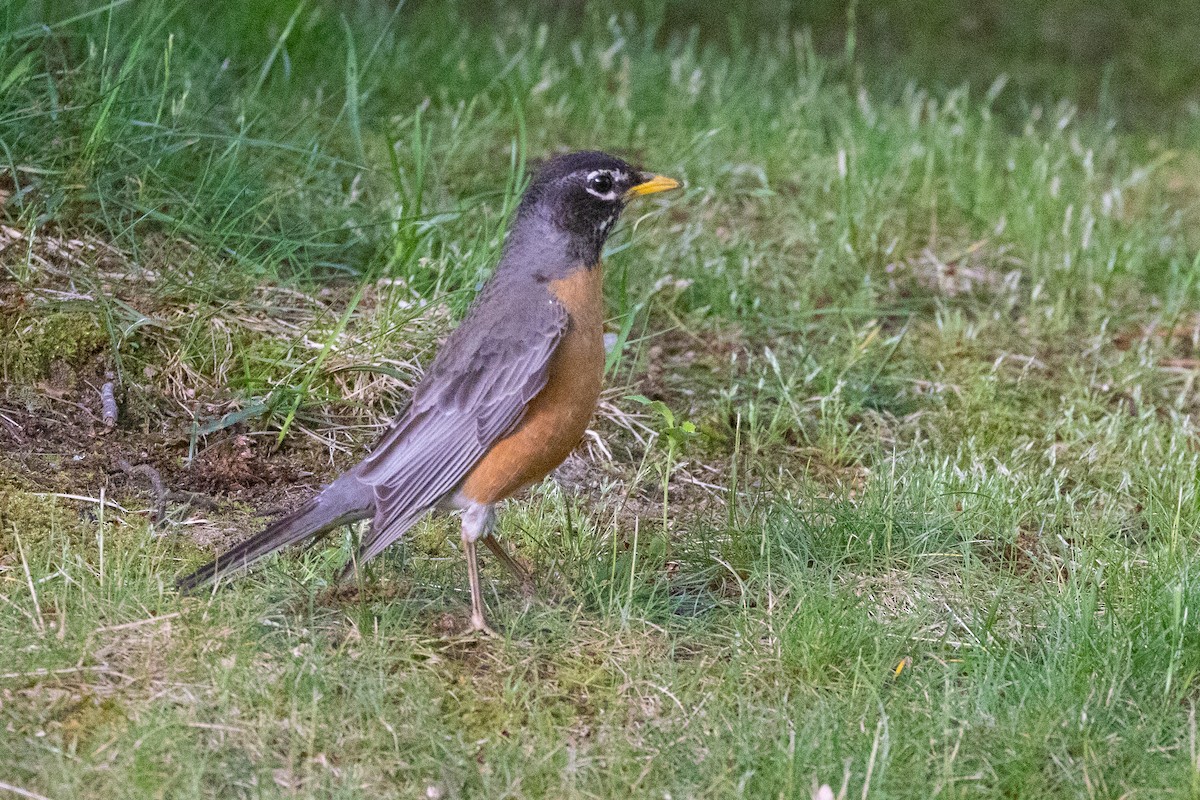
{"points": [[1176, 340], [680, 366], [77, 314], [190, 444]]}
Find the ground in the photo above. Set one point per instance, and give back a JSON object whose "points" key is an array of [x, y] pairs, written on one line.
{"points": [[893, 490]]}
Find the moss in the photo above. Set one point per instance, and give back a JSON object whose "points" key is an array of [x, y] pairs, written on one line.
{"points": [[92, 719], [33, 516], [31, 346]]}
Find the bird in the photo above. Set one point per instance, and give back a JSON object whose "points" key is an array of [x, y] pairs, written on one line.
{"points": [[508, 395]]}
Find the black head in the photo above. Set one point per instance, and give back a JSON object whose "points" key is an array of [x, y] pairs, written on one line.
{"points": [[583, 194]]}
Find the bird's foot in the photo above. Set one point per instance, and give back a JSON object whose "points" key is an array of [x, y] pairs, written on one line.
{"points": [[477, 627]]}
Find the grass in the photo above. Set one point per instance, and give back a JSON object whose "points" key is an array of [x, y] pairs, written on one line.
{"points": [[895, 488]]}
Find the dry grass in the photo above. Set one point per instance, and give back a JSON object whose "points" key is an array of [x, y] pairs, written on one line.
{"points": [[907, 508]]}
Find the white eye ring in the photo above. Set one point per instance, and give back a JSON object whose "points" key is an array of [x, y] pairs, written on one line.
{"points": [[601, 183]]}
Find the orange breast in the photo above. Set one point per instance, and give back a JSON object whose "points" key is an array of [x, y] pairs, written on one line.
{"points": [[558, 416]]}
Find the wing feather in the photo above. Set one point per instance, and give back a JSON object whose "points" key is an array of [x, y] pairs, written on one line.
{"points": [[475, 392]]}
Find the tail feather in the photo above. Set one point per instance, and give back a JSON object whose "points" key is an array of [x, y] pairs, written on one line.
{"points": [[342, 502]]}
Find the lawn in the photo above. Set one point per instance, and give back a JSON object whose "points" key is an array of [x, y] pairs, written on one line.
{"points": [[894, 488]]}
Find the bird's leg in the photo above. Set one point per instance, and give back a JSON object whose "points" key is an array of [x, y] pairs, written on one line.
{"points": [[478, 620], [477, 522], [502, 555]]}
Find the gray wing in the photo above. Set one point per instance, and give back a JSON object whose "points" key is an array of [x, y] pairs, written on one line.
{"points": [[474, 393]]}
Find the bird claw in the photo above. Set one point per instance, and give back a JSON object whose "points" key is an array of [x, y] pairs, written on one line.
{"points": [[478, 627]]}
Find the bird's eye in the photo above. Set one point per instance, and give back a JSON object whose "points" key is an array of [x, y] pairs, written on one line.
{"points": [[600, 182]]}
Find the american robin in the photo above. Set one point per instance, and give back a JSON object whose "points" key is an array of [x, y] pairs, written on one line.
{"points": [[508, 396]]}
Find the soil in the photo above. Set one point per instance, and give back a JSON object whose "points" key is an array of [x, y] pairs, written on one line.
{"points": [[55, 440]]}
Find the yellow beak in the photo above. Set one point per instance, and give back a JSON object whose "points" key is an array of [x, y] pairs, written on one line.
{"points": [[651, 184]]}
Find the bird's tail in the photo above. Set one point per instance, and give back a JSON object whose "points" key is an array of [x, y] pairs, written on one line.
{"points": [[343, 501]]}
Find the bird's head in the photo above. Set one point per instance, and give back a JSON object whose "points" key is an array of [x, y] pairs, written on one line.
{"points": [[584, 193]]}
